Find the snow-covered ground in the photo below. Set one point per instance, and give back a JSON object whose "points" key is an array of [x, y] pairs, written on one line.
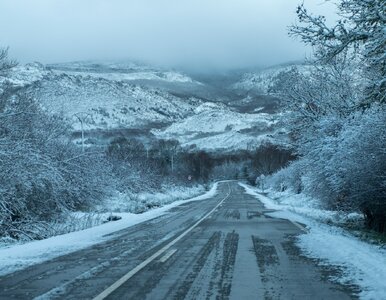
{"points": [[140, 202], [362, 263], [18, 257]]}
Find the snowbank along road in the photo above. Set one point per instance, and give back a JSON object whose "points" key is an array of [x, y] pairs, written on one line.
{"points": [[220, 248]]}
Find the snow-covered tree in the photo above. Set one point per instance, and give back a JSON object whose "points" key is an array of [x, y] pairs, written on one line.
{"points": [[336, 111], [42, 173], [323, 90], [6, 63], [360, 30]]}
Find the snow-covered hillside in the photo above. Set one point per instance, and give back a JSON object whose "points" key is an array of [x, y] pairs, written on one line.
{"points": [[260, 81], [216, 127], [111, 96], [103, 100], [121, 71], [23, 75], [110, 104]]}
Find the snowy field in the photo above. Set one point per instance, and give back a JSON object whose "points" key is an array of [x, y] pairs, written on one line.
{"points": [[363, 264], [18, 257]]}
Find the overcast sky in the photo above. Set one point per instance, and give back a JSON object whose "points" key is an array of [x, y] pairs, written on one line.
{"points": [[221, 34]]}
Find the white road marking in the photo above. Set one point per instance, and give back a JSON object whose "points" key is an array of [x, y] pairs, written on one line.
{"points": [[167, 255], [143, 264], [61, 289]]}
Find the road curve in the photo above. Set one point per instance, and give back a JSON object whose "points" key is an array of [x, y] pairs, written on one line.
{"points": [[220, 248]]}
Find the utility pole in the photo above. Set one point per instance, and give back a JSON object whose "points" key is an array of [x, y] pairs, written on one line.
{"points": [[262, 178], [81, 126], [82, 117], [173, 153]]}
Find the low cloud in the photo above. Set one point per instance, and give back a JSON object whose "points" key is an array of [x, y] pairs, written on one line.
{"points": [[195, 34]]}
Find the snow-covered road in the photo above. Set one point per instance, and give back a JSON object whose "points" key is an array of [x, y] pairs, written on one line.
{"points": [[225, 246]]}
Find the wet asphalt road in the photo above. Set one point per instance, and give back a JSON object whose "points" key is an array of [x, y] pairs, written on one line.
{"points": [[237, 252]]}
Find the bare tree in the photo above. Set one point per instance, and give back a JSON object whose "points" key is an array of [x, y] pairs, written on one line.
{"points": [[5, 62]]}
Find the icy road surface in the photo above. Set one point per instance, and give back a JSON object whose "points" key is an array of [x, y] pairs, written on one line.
{"points": [[224, 247]]}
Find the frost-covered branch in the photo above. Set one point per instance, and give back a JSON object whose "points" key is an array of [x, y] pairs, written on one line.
{"points": [[360, 30]]}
